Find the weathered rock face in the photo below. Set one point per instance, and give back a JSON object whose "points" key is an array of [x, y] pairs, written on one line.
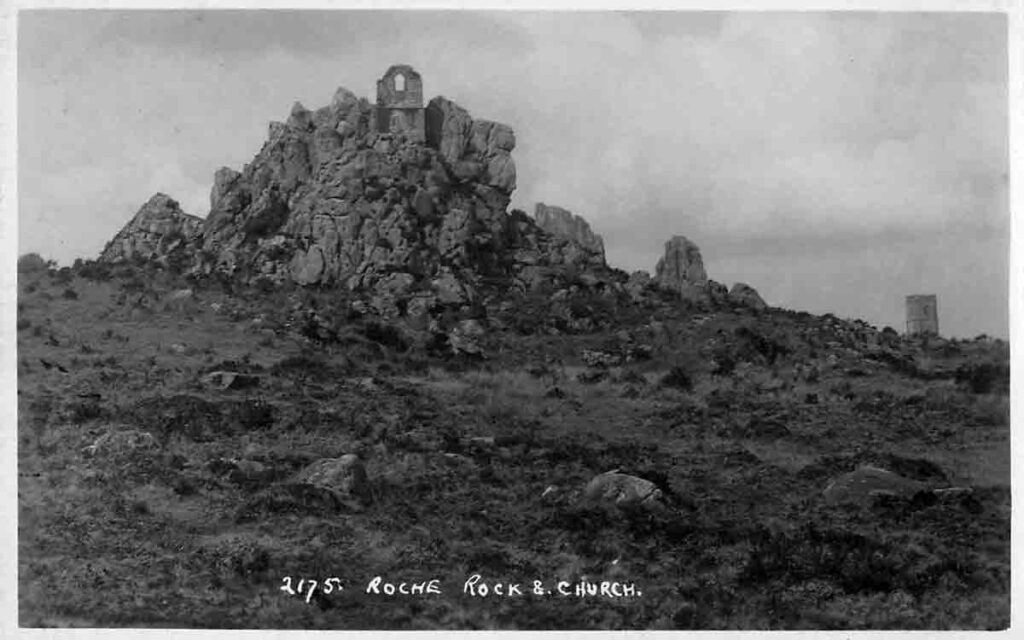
{"points": [[330, 201], [746, 295], [681, 268], [637, 284], [562, 223], [158, 229]]}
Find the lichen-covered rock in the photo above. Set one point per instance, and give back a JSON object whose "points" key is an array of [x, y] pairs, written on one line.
{"points": [[230, 380], [464, 339], [329, 201], [158, 229], [562, 223], [345, 478], [867, 482], [682, 267], [747, 296], [623, 490], [413, 225]]}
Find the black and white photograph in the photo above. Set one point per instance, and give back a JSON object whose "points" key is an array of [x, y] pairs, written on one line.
{"points": [[520, 319]]}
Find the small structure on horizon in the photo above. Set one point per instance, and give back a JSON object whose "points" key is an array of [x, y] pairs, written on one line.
{"points": [[399, 106], [922, 315]]}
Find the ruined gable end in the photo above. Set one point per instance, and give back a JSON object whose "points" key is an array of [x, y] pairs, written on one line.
{"points": [[399, 107]]}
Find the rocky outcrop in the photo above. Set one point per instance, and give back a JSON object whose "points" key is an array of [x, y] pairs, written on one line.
{"points": [[636, 285], [414, 225], [681, 268], [418, 224], [747, 296], [563, 224], [475, 149], [159, 229]]}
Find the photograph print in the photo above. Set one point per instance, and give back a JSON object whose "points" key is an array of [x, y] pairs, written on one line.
{"points": [[512, 320]]}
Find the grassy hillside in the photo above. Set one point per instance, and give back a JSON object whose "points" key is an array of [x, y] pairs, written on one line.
{"points": [[151, 496]]}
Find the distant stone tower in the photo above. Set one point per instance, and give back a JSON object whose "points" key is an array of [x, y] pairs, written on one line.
{"points": [[922, 315], [400, 102]]}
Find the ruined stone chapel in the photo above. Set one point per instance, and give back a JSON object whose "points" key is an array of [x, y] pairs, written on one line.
{"points": [[399, 107]]}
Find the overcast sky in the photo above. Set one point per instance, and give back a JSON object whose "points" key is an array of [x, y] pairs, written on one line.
{"points": [[835, 161]]}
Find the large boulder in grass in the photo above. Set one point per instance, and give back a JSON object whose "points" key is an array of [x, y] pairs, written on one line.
{"points": [[866, 483], [623, 490], [344, 478]]}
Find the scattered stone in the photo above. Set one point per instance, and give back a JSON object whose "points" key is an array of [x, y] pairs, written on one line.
{"points": [[862, 484], [463, 339], [231, 380], [623, 490], [122, 442], [344, 477], [639, 352], [179, 299], [953, 492], [241, 471], [593, 377], [185, 485], [458, 459], [600, 359]]}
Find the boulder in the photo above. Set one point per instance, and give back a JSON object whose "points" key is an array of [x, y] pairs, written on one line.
{"points": [[464, 339], [681, 268], [180, 300], [230, 380], [747, 296], [623, 491], [865, 483], [158, 229], [344, 478], [562, 223]]}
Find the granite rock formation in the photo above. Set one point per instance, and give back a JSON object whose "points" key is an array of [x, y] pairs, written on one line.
{"points": [[414, 222], [330, 201], [746, 295], [562, 223], [681, 268], [159, 229]]}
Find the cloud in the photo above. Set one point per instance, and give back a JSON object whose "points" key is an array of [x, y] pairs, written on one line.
{"points": [[755, 134]]}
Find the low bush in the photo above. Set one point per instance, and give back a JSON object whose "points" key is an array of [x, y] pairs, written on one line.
{"points": [[677, 378]]}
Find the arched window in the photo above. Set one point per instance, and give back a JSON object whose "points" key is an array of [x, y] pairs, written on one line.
{"points": [[399, 82]]}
